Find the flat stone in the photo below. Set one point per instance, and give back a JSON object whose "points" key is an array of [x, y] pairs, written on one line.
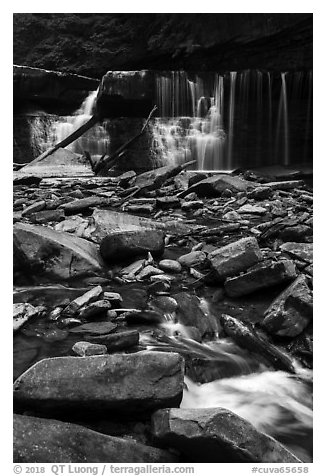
{"points": [[77, 206], [192, 205], [216, 435], [74, 306], [46, 216], [43, 250], [129, 383], [84, 349], [235, 257], [286, 185], [111, 296], [129, 244], [290, 313], [34, 207], [252, 209], [302, 251], [149, 271], [263, 276], [216, 184], [167, 202], [95, 308], [40, 440], [22, 312], [170, 265], [154, 179], [297, 233], [261, 193], [144, 317], [94, 328], [194, 258], [119, 340]]}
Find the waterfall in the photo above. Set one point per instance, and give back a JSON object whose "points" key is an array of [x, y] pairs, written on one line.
{"points": [[282, 122]]}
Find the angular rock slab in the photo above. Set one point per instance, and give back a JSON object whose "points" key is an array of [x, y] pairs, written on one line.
{"points": [[215, 435], [235, 257], [128, 244], [39, 440], [302, 251], [57, 254], [216, 184], [290, 313], [262, 276], [129, 383]]}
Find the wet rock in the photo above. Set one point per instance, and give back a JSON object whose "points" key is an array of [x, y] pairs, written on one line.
{"points": [[22, 312], [130, 383], [46, 216], [78, 206], [170, 266], [290, 313], [119, 341], [149, 271], [302, 251], [95, 309], [165, 303], [216, 435], [125, 178], [296, 233], [245, 335], [73, 308], [72, 225], [192, 205], [235, 257], [129, 244], [154, 179], [94, 328], [43, 250], [113, 297], [286, 185], [133, 268], [261, 193], [84, 349], [262, 276], [144, 317], [192, 313], [34, 207], [194, 258], [216, 184], [232, 216], [39, 440], [167, 202], [146, 208], [252, 209]]}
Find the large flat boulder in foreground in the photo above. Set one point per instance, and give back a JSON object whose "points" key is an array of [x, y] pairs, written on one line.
{"points": [[290, 313], [129, 383], [38, 440], [216, 435], [235, 257], [261, 276], [42, 250]]}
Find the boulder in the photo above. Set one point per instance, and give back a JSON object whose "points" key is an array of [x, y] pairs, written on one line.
{"points": [[290, 313], [192, 312], [128, 244], [301, 251], [245, 335], [235, 257], [262, 276], [216, 435], [84, 349], [215, 185], [194, 258], [40, 249], [170, 266], [39, 440], [129, 383], [22, 313]]}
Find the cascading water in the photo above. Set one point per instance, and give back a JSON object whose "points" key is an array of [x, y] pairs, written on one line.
{"points": [[239, 119]]}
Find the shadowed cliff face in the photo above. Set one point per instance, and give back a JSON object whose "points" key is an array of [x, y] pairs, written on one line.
{"points": [[90, 44]]}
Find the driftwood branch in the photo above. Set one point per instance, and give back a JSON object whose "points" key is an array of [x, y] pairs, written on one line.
{"points": [[109, 160], [68, 140]]}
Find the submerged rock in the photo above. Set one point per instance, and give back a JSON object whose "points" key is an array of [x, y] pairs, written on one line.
{"points": [[130, 383], [216, 435], [235, 257], [39, 440], [290, 313], [41, 250], [262, 276]]}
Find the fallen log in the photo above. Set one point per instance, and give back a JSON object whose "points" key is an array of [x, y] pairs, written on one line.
{"points": [[246, 336], [68, 140], [110, 160]]}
